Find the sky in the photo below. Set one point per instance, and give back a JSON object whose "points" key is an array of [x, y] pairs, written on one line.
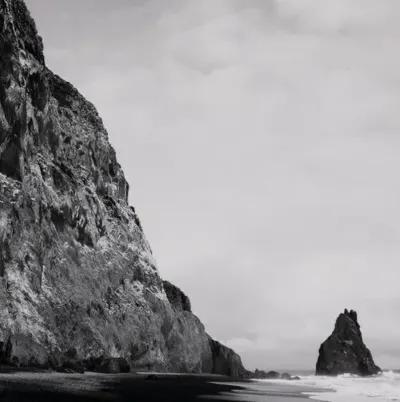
{"points": [[260, 139]]}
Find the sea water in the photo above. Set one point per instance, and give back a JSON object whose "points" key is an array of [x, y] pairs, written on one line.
{"points": [[348, 388]]}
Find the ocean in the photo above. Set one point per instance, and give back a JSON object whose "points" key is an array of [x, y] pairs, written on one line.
{"points": [[346, 388]]}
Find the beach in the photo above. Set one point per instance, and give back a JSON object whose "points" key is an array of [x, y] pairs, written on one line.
{"points": [[60, 387], [158, 387], [261, 391], [383, 387]]}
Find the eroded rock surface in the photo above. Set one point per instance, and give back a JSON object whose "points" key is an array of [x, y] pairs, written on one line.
{"points": [[344, 351], [79, 287]]}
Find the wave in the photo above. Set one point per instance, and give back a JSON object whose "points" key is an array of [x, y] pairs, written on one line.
{"points": [[384, 387]]}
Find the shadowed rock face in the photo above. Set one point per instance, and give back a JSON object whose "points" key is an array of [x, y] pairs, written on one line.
{"points": [[226, 361], [79, 287], [344, 351], [176, 297]]}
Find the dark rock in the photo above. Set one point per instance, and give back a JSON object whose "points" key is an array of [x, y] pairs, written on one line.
{"points": [[71, 367], [258, 374], [344, 351], [176, 297], [79, 283], [24, 27], [261, 374], [113, 365], [225, 361], [105, 364], [273, 374]]}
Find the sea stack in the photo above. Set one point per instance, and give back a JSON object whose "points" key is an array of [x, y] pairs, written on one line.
{"points": [[344, 351], [79, 287]]}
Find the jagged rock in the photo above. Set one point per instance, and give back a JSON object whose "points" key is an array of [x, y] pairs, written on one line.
{"points": [[79, 286], [344, 351]]}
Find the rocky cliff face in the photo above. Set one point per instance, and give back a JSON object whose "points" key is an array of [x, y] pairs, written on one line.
{"points": [[344, 351], [78, 283]]}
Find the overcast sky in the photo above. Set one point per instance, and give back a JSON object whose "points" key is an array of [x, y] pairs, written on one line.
{"points": [[261, 142]]}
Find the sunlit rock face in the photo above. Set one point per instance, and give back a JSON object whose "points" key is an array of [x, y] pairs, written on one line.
{"points": [[79, 287], [344, 351]]}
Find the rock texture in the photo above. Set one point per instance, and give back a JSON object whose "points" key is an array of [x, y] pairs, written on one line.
{"points": [[79, 288], [344, 351]]}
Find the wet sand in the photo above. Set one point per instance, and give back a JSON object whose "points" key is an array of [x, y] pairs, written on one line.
{"points": [[44, 386], [254, 391]]}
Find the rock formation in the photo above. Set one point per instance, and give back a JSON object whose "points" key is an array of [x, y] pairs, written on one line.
{"points": [[225, 361], [79, 288], [264, 375], [344, 351], [271, 375]]}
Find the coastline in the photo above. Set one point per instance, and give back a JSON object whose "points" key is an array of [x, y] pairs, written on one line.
{"points": [[140, 387], [261, 391], [24, 386]]}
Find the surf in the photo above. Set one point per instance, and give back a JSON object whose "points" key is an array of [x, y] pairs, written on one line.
{"points": [[350, 388]]}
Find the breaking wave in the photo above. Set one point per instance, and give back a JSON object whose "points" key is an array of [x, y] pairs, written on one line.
{"points": [[348, 388]]}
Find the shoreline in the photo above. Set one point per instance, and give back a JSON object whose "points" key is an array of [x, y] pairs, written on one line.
{"points": [[271, 391], [42, 386], [24, 386]]}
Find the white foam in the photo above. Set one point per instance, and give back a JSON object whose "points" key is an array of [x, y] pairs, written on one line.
{"points": [[347, 388]]}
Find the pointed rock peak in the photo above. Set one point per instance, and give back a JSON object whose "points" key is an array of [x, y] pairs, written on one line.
{"points": [[344, 351], [351, 314], [347, 324]]}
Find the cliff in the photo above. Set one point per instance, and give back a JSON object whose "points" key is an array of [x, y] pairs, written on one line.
{"points": [[79, 288], [344, 351]]}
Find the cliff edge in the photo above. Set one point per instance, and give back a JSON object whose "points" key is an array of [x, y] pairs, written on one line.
{"points": [[79, 288]]}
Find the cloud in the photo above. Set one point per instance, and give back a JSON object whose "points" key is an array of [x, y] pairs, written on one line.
{"points": [[340, 17], [260, 141]]}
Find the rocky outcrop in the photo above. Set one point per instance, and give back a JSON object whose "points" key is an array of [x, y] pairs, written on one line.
{"points": [[176, 297], [79, 287], [344, 351], [272, 375], [264, 375], [225, 361]]}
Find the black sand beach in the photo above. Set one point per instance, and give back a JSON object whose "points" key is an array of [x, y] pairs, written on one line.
{"points": [[107, 387], [44, 386]]}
